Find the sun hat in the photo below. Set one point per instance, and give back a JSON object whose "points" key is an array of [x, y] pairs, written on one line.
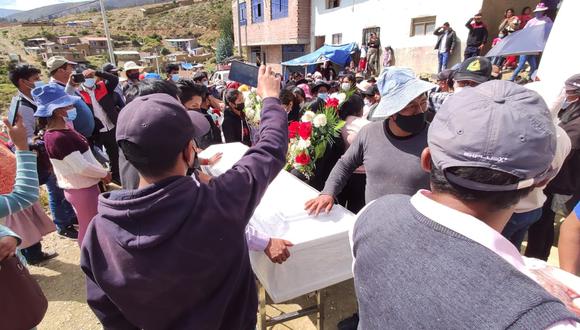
{"points": [[50, 97], [363, 85], [56, 62], [497, 125], [131, 66], [398, 87], [159, 125], [541, 7]]}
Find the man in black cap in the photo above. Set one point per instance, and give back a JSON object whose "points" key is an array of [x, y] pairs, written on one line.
{"points": [[320, 94], [112, 69], [471, 72], [567, 182], [173, 253], [372, 97], [477, 36]]}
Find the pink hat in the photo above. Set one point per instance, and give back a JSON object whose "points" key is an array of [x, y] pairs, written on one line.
{"points": [[306, 90], [541, 7]]}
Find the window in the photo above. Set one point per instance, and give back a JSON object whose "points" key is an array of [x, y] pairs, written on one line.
{"points": [[332, 4], [257, 11], [242, 13], [337, 39], [279, 9], [367, 34], [422, 26]]}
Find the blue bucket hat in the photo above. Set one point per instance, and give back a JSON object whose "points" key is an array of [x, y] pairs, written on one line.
{"points": [[51, 97], [398, 87]]}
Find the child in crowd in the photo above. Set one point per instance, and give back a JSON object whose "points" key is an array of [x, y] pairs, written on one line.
{"points": [[76, 169]]}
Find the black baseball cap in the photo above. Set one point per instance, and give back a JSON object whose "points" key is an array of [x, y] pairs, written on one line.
{"points": [[109, 67], [371, 91], [159, 126], [477, 69]]}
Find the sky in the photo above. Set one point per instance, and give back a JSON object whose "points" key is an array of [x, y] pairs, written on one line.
{"points": [[29, 4]]}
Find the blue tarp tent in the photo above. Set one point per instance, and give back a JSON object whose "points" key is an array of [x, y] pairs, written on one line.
{"points": [[528, 41], [338, 54]]}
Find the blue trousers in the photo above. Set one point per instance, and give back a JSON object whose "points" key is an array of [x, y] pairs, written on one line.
{"points": [[518, 226], [531, 59], [443, 59], [63, 214]]}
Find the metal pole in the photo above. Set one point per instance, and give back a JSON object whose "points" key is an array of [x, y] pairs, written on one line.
{"points": [[107, 34], [239, 30]]}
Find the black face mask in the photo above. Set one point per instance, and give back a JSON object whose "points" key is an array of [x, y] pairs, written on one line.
{"points": [[133, 76], [240, 107], [412, 124]]}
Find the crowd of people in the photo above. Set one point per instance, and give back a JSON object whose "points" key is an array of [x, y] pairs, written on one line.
{"points": [[446, 179]]}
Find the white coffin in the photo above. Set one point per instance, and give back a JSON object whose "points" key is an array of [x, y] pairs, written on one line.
{"points": [[321, 254]]}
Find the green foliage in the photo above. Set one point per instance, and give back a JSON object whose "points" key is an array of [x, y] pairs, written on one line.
{"points": [[224, 48], [150, 44], [165, 51], [135, 43], [84, 33]]}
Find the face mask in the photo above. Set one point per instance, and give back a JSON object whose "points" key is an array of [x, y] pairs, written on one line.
{"points": [[412, 124], [89, 82], [206, 83], [39, 83], [345, 86], [71, 114], [323, 96], [175, 77], [133, 76], [367, 102], [240, 107]]}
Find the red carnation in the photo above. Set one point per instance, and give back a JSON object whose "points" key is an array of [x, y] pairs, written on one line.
{"points": [[305, 130], [293, 129], [302, 159], [332, 102]]}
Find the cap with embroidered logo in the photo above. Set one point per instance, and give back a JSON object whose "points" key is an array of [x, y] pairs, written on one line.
{"points": [[477, 69], [497, 125]]}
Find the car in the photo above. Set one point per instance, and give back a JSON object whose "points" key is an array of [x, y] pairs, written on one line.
{"points": [[219, 76]]}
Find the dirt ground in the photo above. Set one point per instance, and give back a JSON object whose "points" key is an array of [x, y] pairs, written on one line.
{"points": [[63, 284]]}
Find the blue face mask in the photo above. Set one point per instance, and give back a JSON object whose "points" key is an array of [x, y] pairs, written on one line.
{"points": [[323, 96], [89, 82], [39, 83], [175, 77], [71, 114]]}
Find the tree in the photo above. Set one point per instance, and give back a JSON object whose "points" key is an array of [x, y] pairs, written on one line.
{"points": [[224, 48], [225, 43]]}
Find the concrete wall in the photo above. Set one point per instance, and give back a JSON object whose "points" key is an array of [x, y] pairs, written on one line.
{"points": [[394, 19], [294, 29]]}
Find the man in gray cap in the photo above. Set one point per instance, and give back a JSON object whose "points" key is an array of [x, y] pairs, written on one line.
{"points": [[436, 259], [61, 72], [567, 182], [389, 148]]}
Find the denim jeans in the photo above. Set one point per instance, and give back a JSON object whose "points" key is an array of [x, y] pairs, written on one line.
{"points": [[470, 51], [443, 59], [531, 59], [518, 225], [63, 214]]}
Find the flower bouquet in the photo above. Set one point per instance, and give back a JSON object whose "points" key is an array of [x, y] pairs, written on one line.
{"points": [[310, 137], [252, 111]]}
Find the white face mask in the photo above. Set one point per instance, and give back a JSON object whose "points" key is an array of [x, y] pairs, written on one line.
{"points": [[345, 86], [367, 102], [206, 83]]}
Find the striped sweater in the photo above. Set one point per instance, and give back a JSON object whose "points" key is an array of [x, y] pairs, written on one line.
{"points": [[25, 190]]}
